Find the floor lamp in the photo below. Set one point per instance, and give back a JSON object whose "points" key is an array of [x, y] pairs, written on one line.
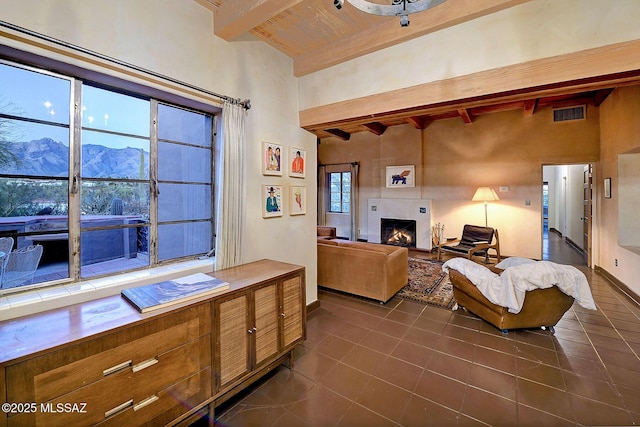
{"points": [[485, 194]]}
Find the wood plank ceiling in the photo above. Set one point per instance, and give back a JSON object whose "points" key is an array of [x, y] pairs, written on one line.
{"points": [[316, 35]]}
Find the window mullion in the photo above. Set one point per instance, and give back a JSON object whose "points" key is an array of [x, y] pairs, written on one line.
{"points": [[154, 190], [75, 169]]}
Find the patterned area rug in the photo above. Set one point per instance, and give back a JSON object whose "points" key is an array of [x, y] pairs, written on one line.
{"points": [[428, 284]]}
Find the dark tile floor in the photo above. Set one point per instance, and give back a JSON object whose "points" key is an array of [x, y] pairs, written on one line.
{"points": [[555, 248], [408, 364]]}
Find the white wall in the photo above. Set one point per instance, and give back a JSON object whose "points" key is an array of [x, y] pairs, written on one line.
{"points": [[533, 30], [575, 204], [175, 38], [550, 175]]}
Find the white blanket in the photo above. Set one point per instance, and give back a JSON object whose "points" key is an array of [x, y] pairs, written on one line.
{"points": [[508, 289]]}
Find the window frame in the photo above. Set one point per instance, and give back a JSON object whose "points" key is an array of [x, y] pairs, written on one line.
{"points": [[342, 192], [156, 96]]}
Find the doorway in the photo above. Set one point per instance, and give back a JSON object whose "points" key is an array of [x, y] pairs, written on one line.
{"points": [[566, 213]]}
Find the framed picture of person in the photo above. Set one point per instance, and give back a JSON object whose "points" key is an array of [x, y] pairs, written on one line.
{"points": [[272, 159], [297, 200], [271, 200], [297, 158]]}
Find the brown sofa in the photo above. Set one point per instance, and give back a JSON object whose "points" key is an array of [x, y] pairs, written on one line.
{"points": [[325, 232], [542, 307], [366, 269]]}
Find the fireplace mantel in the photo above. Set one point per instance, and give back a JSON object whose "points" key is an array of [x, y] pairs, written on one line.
{"points": [[415, 209]]}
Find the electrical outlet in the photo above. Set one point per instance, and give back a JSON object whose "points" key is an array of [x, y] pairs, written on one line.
{"points": [[616, 262]]}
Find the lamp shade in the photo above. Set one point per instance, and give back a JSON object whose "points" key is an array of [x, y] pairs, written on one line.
{"points": [[485, 194]]}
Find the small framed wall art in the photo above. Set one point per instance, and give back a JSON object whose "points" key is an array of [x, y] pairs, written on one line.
{"points": [[400, 176], [297, 200], [271, 200], [607, 188], [297, 157], [272, 159]]}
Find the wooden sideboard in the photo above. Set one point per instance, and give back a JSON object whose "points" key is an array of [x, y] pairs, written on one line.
{"points": [[104, 363]]}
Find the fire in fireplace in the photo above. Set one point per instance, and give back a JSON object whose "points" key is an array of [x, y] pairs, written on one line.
{"points": [[398, 232]]}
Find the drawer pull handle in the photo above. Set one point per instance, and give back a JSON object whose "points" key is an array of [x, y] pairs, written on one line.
{"points": [[142, 365], [116, 368], [118, 408], [145, 402]]}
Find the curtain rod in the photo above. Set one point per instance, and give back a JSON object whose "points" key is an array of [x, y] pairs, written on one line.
{"points": [[246, 103], [338, 164]]}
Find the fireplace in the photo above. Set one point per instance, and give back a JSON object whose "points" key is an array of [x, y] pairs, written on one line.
{"points": [[418, 210], [398, 232]]}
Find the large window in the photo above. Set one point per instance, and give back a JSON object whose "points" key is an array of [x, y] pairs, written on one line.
{"points": [[340, 192], [98, 180]]}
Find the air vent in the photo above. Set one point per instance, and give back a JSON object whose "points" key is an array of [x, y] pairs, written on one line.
{"points": [[567, 114]]}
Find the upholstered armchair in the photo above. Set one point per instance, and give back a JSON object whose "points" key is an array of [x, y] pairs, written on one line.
{"points": [[325, 232]]}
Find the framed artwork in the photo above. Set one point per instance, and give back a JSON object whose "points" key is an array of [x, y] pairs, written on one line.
{"points": [[297, 200], [401, 176], [272, 159], [607, 188], [297, 157], [271, 201]]}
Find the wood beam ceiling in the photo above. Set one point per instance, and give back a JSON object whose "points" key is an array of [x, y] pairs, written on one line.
{"points": [[237, 17], [345, 136], [389, 33], [375, 128], [316, 35], [573, 73]]}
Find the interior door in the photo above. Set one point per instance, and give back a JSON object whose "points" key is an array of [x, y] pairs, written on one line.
{"points": [[587, 186]]}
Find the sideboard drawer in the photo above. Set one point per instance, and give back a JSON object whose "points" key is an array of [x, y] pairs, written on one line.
{"points": [[123, 390], [55, 374], [170, 404]]}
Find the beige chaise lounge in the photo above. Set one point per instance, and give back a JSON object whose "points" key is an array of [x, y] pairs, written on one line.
{"points": [[366, 269], [541, 308]]}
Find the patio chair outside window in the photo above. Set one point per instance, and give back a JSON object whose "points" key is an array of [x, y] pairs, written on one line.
{"points": [[21, 267], [6, 244]]}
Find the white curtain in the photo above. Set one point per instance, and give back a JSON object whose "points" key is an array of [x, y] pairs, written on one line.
{"points": [[230, 184], [355, 167], [322, 195]]}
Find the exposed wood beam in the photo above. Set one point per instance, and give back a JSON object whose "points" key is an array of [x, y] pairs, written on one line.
{"points": [[591, 69], [530, 106], [236, 17], [600, 96], [375, 127], [497, 107], [466, 117], [574, 102], [390, 33], [212, 5], [339, 134], [419, 122]]}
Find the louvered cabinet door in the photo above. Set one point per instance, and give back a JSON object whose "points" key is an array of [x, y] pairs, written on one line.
{"points": [[293, 310], [233, 326], [266, 314]]}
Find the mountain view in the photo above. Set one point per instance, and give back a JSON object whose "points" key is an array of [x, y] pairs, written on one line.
{"points": [[46, 157]]}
